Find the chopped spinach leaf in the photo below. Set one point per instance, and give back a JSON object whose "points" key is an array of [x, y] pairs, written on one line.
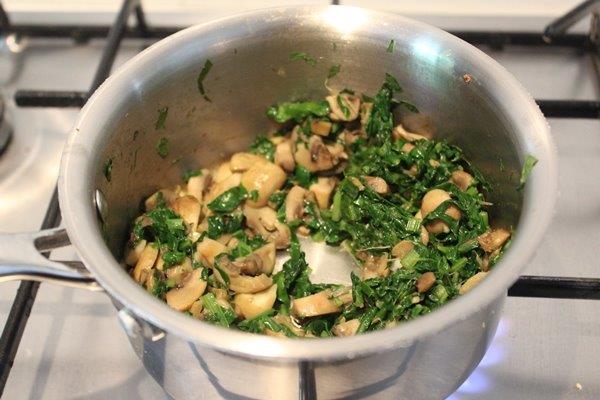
{"points": [[162, 147], [188, 174], [107, 169], [264, 147], [333, 71], [528, 165], [201, 76], [162, 117], [301, 56], [215, 313], [391, 46], [228, 201], [284, 112]]}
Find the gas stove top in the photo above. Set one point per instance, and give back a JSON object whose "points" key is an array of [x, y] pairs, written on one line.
{"points": [[71, 346]]}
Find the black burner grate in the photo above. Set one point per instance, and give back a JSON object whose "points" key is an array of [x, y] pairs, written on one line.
{"points": [[526, 286]]}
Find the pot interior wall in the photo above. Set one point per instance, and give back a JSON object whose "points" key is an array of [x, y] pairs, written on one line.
{"points": [[252, 70]]}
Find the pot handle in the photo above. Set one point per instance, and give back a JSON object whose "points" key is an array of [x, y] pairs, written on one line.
{"points": [[24, 256]]}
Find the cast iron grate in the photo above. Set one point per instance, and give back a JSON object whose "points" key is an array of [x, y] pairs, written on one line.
{"points": [[526, 286]]}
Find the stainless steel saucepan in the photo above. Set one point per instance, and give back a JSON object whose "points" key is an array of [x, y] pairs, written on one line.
{"points": [[464, 97]]}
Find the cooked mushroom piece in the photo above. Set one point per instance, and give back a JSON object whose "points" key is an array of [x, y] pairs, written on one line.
{"points": [[324, 302], [472, 282], [196, 309], [198, 184], [365, 112], [346, 328], [375, 266], [189, 209], [294, 203], [322, 189], [241, 162], [165, 194], [132, 254], [315, 155], [461, 179], [424, 233], [494, 239], [343, 106], [402, 248], [265, 178], [407, 147], [284, 155], [182, 298], [425, 282], [178, 272], [263, 221], [145, 263], [320, 127], [377, 184], [250, 305], [400, 133], [207, 250], [249, 284], [218, 188], [430, 202], [221, 172], [267, 255]]}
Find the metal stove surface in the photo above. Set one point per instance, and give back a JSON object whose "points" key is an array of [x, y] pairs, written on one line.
{"points": [[73, 347]]}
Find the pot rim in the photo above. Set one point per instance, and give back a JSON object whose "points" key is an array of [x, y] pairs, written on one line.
{"points": [[76, 189]]}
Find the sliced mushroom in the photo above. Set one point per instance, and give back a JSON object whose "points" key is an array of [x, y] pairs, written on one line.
{"points": [[267, 255], [196, 309], [152, 201], [145, 263], [425, 282], [343, 106], [494, 239], [250, 305], [265, 178], [182, 298], [375, 266], [424, 235], [320, 127], [178, 272], [322, 190], [377, 184], [315, 156], [218, 188], [346, 328], [189, 209], [160, 261], [294, 203], [472, 282], [207, 250], [263, 221], [400, 133], [351, 136], [407, 147], [402, 248], [287, 321], [198, 184], [241, 162], [249, 284], [324, 302], [221, 172], [430, 202], [284, 156], [365, 113], [132, 254], [461, 179]]}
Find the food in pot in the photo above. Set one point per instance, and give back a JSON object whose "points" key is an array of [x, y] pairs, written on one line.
{"points": [[410, 210]]}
